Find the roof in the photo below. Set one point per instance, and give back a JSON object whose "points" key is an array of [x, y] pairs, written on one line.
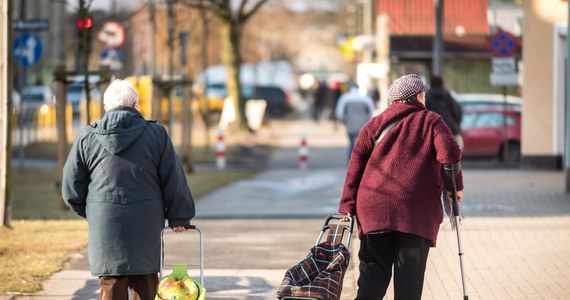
{"points": [[417, 17]]}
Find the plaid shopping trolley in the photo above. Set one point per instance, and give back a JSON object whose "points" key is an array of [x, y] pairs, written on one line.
{"points": [[320, 275]]}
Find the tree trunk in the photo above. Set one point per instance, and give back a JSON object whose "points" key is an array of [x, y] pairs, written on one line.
{"points": [[6, 76], [187, 120], [231, 57], [61, 122]]}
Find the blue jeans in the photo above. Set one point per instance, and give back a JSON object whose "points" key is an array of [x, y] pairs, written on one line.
{"points": [[351, 140]]}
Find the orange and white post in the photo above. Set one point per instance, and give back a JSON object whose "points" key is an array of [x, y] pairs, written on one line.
{"points": [[220, 150], [303, 152]]}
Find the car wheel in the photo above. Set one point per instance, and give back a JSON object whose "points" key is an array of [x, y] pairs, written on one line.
{"points": [[513, 153]]}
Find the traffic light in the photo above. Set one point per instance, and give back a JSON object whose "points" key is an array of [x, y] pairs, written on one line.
{"points": [[84, 27], [84, 23]]}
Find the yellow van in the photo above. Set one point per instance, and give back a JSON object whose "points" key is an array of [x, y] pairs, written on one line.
{"points": [[144, 88]]}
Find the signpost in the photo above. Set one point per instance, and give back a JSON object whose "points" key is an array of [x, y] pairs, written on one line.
{"points": [[504, 73], [30, 25], [112, 35], [27, 49]]}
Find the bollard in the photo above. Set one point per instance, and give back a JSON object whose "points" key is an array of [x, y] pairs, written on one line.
{"points": [[220, 150], [303, 152]]}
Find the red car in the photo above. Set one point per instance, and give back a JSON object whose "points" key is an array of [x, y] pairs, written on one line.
{"points": [[485, 129]]}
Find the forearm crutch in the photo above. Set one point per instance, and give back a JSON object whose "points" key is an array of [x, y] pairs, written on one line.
{"points": [[452, 170]]}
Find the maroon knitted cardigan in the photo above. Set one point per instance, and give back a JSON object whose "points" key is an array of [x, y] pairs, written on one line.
{"points": [[397, 185]]}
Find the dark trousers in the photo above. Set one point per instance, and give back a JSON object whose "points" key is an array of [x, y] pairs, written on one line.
{"points": [[379, 252], [143, 287]]}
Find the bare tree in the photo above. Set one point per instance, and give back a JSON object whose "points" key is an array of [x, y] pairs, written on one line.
{"points": [[233, 19]]}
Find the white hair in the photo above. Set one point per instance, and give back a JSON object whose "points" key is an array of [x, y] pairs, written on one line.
{"points": [[120, 93]]}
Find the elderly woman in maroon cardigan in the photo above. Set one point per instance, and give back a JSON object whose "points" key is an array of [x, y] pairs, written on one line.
{"points": [[393, 186]]}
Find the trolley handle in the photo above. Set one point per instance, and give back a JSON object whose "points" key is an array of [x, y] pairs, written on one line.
{"points": [[201, 247], [187, 226], [342, 218], [344, 221]]}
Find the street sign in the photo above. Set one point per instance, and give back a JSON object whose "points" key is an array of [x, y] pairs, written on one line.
{"points": [[504, 65], [504, 79], [111, 57], [30, 25], [27, 49], [504, 71], [111, 34], [503, 43]]}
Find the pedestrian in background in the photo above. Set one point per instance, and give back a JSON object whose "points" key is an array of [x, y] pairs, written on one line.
{"points": [[122, 174], [439, 100], [319, 100], [374, 94], [334, 94], [393, 186], [353, 110]]}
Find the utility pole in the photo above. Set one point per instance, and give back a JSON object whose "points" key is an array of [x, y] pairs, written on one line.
{"points": [[85, 23], [22, 82], [437, 67], [170, 4], [567, 107], [57, 33]]}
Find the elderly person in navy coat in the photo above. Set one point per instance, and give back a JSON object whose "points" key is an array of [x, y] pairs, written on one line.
{"points": [[394, 187], [122, 174]]}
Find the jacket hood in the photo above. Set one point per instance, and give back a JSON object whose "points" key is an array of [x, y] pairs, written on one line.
{"points": [[119, 128]]}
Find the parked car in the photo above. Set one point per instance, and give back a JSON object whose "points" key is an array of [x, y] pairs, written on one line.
{"points": [[76, 91], [484, 130], [210, 97], [478, 100], [278, 102], [36, 95]]}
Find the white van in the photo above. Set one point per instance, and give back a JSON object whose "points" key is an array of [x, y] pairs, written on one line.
{"points": [[36, 95]]}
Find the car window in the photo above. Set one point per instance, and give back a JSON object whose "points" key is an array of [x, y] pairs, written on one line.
{"points": [[219, 91], [216, 90], [484, 120], [269, 93]]}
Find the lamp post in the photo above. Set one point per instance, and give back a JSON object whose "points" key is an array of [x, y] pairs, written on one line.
{"points": [[567, 106], [437, 67]]}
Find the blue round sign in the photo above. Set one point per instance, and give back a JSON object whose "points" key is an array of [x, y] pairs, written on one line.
{"points": [[27, 49], [504, 43]]}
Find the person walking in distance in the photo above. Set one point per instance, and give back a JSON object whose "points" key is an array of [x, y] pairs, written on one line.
{"points": [[439, 100], [393, 185], [354, 110], [123, 175], [319, 100]]}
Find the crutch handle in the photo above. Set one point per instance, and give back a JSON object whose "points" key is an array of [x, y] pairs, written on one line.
{"points": [[452, 170]]}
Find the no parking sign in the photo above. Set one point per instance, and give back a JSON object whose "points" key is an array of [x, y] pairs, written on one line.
{"points": [[504, 46], [503, 43]]}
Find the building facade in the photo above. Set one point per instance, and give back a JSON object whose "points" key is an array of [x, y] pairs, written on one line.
{"points": [[544, 47]]}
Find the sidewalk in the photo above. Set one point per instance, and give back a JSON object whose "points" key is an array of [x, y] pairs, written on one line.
{"points": [[515, 236]]}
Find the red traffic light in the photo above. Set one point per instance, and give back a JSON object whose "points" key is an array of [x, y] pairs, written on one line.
{"points": [[86, 23]]}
